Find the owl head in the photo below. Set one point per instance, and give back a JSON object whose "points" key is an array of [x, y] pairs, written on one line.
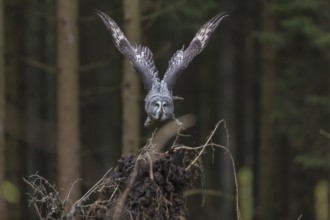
{"points": [[159, 107]]}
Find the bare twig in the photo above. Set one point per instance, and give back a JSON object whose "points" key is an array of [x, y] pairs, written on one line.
{"points": [[113, 193], [37, 211], [69, 192], [325, 133], [201, 150], [93, 189], [34, 187], [87, 194], [93, 65], [45, 194], [40, 65], [151, 172], [209, 192], [205, 145]]}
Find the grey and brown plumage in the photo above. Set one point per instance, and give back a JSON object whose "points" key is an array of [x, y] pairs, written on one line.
{"points": [[159, 104]]}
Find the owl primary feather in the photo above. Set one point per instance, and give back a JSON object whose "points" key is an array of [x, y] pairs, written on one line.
{"points": [[159, 104]]}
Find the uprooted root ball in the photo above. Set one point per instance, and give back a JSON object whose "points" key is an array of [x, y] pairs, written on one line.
{"points": [[144, 188], [147, 186]]}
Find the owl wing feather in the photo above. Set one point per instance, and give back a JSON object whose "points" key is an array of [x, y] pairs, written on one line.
{"points": [[139, 56], [182, 58]]}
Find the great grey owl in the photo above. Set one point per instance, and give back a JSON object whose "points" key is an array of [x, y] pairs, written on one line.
{"points": [[159, 100]]}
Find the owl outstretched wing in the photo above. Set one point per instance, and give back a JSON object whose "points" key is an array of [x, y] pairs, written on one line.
{"points": [[181, 59], [139, 56]]}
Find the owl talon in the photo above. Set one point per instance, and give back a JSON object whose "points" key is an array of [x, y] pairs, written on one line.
{"points": [[148, 122]]}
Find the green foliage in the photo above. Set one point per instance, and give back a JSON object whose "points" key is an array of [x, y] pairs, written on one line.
{"points": [[322, 101], [178, 22], [299, 19], [245, 181], [269, 38], [306, 27], [321, 193], [302, 40], [296, 6], [188, 15], [10, 192], [317, 160]]}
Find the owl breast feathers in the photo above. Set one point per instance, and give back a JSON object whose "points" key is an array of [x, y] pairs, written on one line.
{"points": [[159, 104]]}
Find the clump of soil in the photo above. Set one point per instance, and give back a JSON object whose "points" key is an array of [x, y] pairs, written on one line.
{"points": [[147, 187], [150, 185]]}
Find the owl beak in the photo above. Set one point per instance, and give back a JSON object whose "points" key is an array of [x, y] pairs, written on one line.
{"points": [[161, 112]]}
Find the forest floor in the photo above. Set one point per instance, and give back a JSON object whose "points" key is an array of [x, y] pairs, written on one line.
{"points": [[150, 185]]}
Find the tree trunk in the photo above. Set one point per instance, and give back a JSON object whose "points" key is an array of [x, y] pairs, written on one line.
{"points": [[226, 104], [33, 84], [13, 154], [266, 175], [49, 87], [2, 109], [68, 141], [131, 88]]}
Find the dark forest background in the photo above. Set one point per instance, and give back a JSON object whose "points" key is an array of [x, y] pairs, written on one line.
{"points": [[65, 108]]}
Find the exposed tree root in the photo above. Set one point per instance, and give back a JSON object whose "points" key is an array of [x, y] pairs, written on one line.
{"points": [[150, 185]]}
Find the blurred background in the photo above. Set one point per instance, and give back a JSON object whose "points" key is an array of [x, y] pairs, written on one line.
{"points": [[70, 104]]}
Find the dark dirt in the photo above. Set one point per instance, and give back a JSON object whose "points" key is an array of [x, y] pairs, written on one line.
{"points": [[150, 185], [142, 195]]}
